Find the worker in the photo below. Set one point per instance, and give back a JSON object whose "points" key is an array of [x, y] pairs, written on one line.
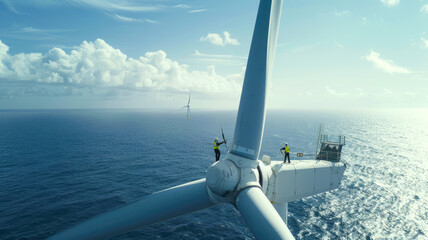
{"points": [[216, 149], [286, 152]]}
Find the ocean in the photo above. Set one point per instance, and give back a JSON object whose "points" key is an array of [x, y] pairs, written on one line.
{"points": [[60, 167]]}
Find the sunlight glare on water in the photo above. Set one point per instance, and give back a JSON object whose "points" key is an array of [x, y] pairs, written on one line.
{"points": [[384, 190]]}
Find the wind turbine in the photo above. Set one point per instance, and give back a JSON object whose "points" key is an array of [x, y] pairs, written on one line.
{"points": [[188, 108], [259, 189]]}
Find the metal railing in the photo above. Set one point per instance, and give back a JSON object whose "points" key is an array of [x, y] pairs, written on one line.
{"points": [[329, 156], [341, 139]]}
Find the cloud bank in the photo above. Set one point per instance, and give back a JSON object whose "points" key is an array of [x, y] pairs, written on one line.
{"points": [[217, 39], [385, 65], [97, 65]]}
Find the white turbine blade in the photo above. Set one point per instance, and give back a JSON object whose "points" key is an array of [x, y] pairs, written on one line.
{"points": [[249, 126], [153, 208], [188, 102], [260, 216], [183, 107]]}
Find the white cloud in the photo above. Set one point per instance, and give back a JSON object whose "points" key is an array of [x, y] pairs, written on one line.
{"points": [[29, 33], [151, 21], [182, 6], [341, 13], [229, 40], [39, 30], [10, 6], [364, 20], [107, 5], [390, 3], [338, 44], [223, 56], [217, 39], [385, 65], [213, 38], [98, 65], [31, 29], [125, 19], [197, 11], [424, 42], [129, 19], [127, 5], [387, 91], [333, 92], [220, 58], [425, 8]]}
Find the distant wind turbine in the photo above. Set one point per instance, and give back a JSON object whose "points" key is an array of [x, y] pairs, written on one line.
{"points": [[188, 108]]}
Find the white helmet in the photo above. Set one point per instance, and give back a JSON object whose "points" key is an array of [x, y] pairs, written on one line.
{"points": [[216, 138], [286, 143]]}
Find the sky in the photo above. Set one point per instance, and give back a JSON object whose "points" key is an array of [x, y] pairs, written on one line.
{"points": [[335, 54]]}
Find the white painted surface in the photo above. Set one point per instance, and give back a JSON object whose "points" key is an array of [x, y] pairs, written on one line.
{"points": [[302, 178]]}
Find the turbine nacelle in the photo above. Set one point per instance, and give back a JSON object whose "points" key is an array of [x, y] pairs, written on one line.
{"points": [[281, 183]]}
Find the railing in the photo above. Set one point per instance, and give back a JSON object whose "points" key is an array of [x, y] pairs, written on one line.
{"points": [[341, 139], [329, 156], [329, 149]]}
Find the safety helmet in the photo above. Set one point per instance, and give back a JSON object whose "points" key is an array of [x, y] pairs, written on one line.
{"points": [[216, 138], [286, 143]]}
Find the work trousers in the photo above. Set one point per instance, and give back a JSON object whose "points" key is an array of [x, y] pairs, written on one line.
{"points": [[217, 154], [285, 157]]}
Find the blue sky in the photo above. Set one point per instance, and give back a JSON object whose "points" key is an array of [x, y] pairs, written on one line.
{"points": [[150, 54]]}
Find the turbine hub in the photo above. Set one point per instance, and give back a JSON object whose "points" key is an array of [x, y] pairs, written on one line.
{"points": [[226, 178], [222, 177]]}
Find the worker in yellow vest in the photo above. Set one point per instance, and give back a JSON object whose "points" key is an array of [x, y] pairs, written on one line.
{"points": [[286, 152], [216, 149]]}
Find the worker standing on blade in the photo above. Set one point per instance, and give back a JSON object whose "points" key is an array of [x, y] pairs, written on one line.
{"points": [[286, 152], [216, 148]]}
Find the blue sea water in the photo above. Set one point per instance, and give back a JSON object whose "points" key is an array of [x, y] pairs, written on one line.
{"points": [[58, 168]]}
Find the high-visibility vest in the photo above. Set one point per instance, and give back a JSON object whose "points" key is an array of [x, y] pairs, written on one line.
{"points": [[215, 146], [287, 149]]}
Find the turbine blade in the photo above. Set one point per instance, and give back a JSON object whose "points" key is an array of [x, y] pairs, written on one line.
{"points": [[260, 216], [248, 134], [189, 99], [183, 107], [169, 203]]}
